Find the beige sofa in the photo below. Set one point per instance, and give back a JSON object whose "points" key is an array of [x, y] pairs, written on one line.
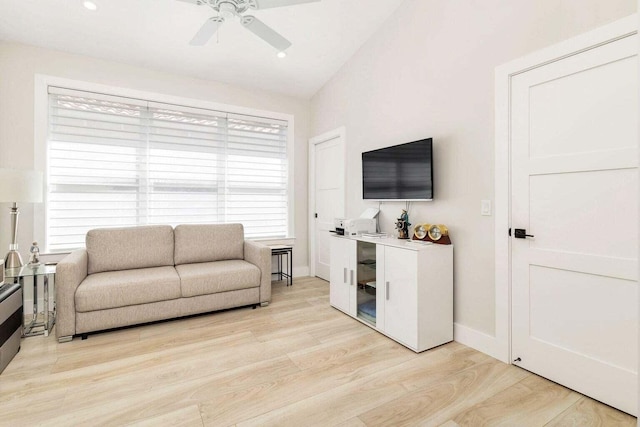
{"points": [[127, 276]]}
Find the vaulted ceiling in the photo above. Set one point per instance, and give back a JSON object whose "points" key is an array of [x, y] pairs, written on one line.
{"points": [[156, 34]]}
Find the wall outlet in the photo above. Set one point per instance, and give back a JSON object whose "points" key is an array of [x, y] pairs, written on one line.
{"points": [[485, 207]]}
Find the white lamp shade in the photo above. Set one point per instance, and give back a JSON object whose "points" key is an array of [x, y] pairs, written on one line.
{"points": [[20, 186]]}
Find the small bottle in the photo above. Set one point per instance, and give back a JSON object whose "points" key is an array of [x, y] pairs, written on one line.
{"points": [[34, 258]]}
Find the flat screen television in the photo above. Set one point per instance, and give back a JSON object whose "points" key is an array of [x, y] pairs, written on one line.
{"points": [[400, 172]]}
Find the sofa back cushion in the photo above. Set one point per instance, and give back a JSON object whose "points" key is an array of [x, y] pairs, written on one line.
{"points": [[112, 249], [208, 242]]}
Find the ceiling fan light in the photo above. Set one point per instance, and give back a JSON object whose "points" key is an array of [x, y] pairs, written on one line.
{"points": [[282, 54], [92, 6]]}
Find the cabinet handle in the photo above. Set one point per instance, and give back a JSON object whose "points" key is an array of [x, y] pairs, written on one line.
{"points": [[345, 275], [387, 291], [351, 277]]}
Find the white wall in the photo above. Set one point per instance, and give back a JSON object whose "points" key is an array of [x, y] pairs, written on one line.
{"points": [[429, 72], [638, 422], [20, 63]]}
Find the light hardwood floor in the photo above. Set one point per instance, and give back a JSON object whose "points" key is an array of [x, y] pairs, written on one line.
{"points": [[297, 362]]}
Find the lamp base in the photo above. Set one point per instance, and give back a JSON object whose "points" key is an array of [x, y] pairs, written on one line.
{"points": [[13, 260]]}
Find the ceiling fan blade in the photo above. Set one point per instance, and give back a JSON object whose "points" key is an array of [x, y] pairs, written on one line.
{"points": [[198, 2], [268, 4], [207, 31], [261, 30]]}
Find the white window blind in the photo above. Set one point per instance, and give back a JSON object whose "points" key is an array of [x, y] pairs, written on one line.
{"points": [[115, 162]]}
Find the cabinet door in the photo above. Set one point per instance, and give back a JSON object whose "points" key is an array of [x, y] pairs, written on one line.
{"points": [[401, 294], [341, 274]]}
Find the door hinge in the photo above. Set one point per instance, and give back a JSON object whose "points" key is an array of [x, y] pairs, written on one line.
{"points": [[316, 215], [509, 232]]}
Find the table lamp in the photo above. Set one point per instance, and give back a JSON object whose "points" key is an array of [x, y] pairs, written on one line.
{"points": [[18, 186]]}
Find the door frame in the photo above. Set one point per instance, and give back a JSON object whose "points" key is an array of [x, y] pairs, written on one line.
{"points": [[504, 74], [339, 133]]}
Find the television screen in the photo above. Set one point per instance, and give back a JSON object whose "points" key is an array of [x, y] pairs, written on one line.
{"points": [[400, 172]]}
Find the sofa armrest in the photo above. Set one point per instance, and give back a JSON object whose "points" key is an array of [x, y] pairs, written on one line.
{"points": [[260, 256], [70, 272]]}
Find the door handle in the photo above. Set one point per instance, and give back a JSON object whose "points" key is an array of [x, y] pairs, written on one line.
{"points": [[387, 291], [345, 275], [351, 277], [521, 233]]}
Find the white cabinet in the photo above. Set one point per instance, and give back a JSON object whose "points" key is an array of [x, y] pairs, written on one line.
{"points": [[342, 288], [412, 296], [399, 275]]}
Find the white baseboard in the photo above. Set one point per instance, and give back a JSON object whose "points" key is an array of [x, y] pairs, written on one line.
{"points": [[478, 340], [300, 271]]}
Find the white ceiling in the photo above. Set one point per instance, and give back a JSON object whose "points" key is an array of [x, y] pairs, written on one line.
{"points": [[156, 34]]}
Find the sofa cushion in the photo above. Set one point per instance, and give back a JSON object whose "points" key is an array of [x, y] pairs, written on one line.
{"points": [[208, 242], [114, 289], [111, 249], [220, 276]]}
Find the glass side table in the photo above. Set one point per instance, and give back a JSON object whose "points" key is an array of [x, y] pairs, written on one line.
{"points": [[34, 326]]}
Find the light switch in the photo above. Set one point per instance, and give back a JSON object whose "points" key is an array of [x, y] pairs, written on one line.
{"points": [[485, 207]]}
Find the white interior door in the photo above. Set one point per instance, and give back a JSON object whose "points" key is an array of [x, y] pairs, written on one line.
{"points": [[327, 196], [574, 125]]}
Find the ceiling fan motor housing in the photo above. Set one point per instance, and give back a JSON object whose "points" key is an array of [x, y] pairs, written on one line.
{"points": [[232, 6]]}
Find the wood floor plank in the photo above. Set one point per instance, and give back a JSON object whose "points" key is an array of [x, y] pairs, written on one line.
{"points": [[348, 400], [352, 422], [324, 354], [438, 364], [279, 328], [588, 412], [534, 401], [25, 408], [258, 400], [159, 396], [109, 373], [436, 403], [339, 331], [191, 372], [184, 417], [297, 360], [334, 406]]}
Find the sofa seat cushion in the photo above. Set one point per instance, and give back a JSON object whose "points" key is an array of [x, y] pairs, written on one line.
{"points": [[113, 289], [219, 276]]}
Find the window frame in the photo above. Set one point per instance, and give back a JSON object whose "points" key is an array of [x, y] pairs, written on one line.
{"points": [[41, 124]]}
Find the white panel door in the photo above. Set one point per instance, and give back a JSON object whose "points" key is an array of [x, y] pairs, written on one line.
{"points": [[574, 125], [329, 169], [342, 287], [401, 295]]}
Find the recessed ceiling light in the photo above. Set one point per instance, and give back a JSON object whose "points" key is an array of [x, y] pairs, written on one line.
{"points": [[90, 5], [282, 54]]}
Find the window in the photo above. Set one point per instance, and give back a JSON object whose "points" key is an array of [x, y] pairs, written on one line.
{"points": [[115, 162]]}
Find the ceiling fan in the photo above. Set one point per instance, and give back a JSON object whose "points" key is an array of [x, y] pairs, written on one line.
{"points": [[229, 8]]}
